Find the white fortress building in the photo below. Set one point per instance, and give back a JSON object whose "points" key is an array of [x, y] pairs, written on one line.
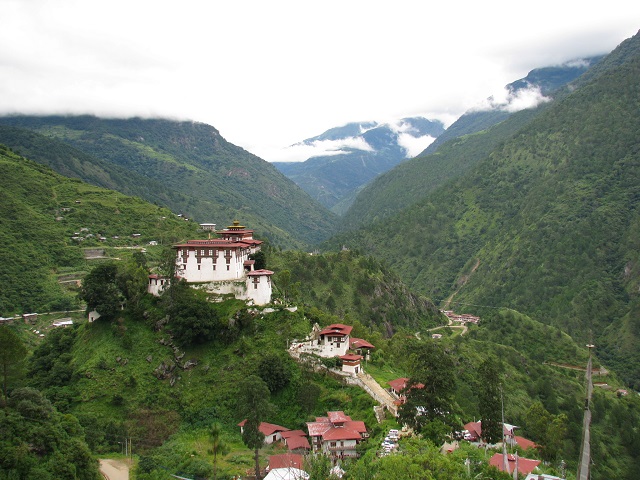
{"points": [[222, 266]]}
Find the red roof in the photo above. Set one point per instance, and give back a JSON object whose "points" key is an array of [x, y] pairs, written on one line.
{"points": [[359, 343], [336, 329], [357, 425], [338, 417], [341, 433], [286, 460], [525, 465], [475, 429], [294, 443], [398, 384], [350, 357], [266, 428], [524, 443], [255, 273], [316, 429], [293, 433]]}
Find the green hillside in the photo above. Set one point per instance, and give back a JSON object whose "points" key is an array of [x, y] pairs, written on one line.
{"points": [[546, 223], [412, 180], [46, 222], [187, 166], [351, 287]]}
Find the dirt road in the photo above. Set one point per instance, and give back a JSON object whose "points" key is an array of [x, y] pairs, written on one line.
{"points": [[114, 469]]}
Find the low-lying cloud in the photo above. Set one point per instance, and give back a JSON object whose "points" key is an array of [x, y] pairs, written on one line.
{"points": [[513, 101], [300, 152]]}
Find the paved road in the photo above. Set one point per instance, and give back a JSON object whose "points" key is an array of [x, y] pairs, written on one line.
{"points": [[114, 469]]}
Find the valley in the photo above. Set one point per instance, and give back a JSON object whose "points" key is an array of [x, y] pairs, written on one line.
{"points": [[460, 285]]}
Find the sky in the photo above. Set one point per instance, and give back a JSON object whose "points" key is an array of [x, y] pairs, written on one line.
{"points": [[269, 74]]}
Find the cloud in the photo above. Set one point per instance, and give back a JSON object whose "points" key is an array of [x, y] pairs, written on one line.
{"points": [[414, 145], [513, 101], [300, 152]]}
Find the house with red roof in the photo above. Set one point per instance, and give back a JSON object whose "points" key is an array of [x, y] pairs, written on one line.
{"points": [[351, 363], [513, 462], [333, 340], [360, 346], [296, 441], [286, 460], [336, 435], [222, 266], [272, 433], [398, 389]]}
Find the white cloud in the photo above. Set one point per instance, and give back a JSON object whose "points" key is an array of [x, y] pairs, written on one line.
{"points": [[300, 152], [414, 145], [510, 101], [268, 74]]}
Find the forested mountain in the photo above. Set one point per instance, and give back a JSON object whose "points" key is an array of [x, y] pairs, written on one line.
{"points": [[185, 166], [545, 223], [459, 148], [361, 152], [45, 222], [546, 80]]}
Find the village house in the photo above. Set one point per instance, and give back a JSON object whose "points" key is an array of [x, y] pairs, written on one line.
{"points": [[336, 435], [333, 341], [524, 466], [351, 363], [398, 389], [272, 433], [296, 441], [221, 266]]}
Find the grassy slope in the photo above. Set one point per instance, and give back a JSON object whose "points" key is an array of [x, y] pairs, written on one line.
{"points": [[206, 177], [39, 213]]}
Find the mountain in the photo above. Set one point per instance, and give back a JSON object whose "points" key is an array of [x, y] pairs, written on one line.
{"points": [[46, 222], [545, 222], [185, 166], [359, 152], [462, 145], [543, 81]]}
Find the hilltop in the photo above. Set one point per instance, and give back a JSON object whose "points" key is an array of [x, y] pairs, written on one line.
{"points": [[187, 167]]}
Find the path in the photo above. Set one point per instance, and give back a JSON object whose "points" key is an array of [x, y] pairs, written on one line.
{"points": [[461, 283], [112, 469], [600, 371], [381, 394]]}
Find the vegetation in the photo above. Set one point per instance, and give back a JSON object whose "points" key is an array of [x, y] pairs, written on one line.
{"points": [[544, 223], [185, 166]]}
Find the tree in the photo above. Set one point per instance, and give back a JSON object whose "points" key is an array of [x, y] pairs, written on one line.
{"points": [[100, 291], [218, 446], [490, 401], [254, 406], [430, 390], [12, 354], [274, 371]]}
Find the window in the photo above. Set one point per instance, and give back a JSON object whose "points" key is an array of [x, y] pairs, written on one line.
{"points": [[211, 253], [202, 252], [227, 268]]}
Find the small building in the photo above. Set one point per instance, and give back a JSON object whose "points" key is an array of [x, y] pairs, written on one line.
{"points": [[31, 318], [361, 347], [208, 227], [272, 433], [285, 460], [93, 316], [524, 466], [6, 320], [63, 322], [296, 441], [351, 363], [157, 284], [334, 340]]}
